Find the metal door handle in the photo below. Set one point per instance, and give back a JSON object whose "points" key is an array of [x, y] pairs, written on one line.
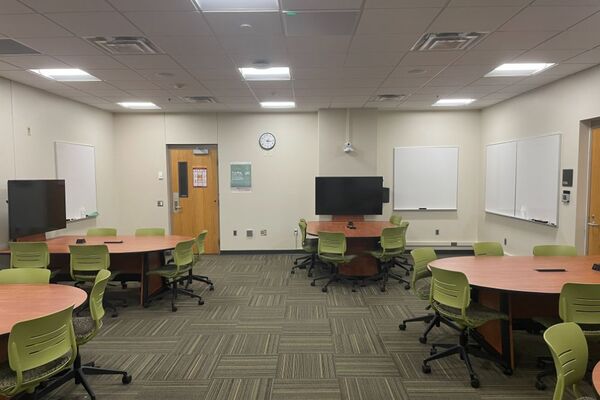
{"points": [[593, 224]]}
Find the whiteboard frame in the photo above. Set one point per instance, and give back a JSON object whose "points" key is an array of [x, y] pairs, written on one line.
{"points": [[95, 175], [558, 178], [457, 147]]}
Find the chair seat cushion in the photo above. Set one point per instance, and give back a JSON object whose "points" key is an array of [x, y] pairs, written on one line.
{"points": [[8, 378], [310, 245], [335, 258], [83, 327], [476, 314], [169, 271]]}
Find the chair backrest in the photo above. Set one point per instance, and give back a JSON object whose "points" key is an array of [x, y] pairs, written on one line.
{"points": [[332, 243], [570, 353], [395, 219], [40, 341], [102, 232], [302, 224], [184, 253], [200, 239], [29, 255], [87, 260], [393, 239], [450, 288], [488, 249], [25, 275], [97, 296], [580, 303], [421, 259], [148, 232], [404, 225], [554, 250]]}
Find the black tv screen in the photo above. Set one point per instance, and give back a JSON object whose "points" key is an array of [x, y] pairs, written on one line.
{"points": [[35, 206], [349, 195]]}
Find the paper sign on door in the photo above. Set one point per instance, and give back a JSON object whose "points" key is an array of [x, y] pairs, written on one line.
{"points": [[199, 175]]}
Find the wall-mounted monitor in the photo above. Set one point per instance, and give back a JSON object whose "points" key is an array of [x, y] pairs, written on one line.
{"points": [[35, 206], [346, 195]]}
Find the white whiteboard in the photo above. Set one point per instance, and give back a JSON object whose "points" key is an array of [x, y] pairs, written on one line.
{"points": [[76, 164], [522, 179], [425, 178]]}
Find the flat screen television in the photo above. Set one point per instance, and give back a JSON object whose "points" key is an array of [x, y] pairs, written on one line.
{"points": [[35, 206], [341, 195]]}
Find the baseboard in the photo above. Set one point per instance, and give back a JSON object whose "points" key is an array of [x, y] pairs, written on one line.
{"points": [[250, 252]]}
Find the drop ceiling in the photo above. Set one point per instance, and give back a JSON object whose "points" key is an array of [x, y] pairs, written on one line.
{"points": [[342, 53]]}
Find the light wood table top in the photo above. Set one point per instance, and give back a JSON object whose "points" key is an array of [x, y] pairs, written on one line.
{"points": [[363, 229], [131, 244], [518, 273], [596, 377], [19, 302]]}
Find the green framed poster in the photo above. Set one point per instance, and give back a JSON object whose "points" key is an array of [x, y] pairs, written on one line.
{"points": [[241, 175]]}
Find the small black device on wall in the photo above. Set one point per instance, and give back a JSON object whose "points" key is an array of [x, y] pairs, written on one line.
{"points": [[386, 195], [567, 177]]}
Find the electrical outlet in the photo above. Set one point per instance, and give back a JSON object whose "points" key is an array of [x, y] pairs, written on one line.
{"points": [[437, 232], [234, 232], [505, 241], [160, 203], [295, 231], [249, 233], [263, 232]]}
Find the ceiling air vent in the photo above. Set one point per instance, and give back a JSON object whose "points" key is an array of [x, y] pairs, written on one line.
{"points": [[125, 45], [447, 41], [9, 46], [200, 99], [389, 97]]}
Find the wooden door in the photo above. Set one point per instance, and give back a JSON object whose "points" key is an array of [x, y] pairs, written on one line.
{"points": [[195, 194], [593, 231]]}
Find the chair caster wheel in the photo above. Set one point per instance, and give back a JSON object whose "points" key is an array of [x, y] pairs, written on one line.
{"points": [[200, 302], [402, 326], [426, 369], [540, 385], [474, 382], [114, 315], [292, 272], [310, 275], [312, 284], [407, 286], [422, 339], [324, 290], [126, 379], [383, 289], [173, 308], [507, 371], [211, 288], [433, 351]]}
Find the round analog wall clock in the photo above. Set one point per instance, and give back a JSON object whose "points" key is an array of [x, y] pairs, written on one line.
{"points": [[267, 141]]}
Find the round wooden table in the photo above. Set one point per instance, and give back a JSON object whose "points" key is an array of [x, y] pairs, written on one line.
{"points": [[513, 285], [596, 377], [21, 302]]}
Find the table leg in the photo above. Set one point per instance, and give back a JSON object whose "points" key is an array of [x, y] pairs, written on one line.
{"points": [[145, 269]]}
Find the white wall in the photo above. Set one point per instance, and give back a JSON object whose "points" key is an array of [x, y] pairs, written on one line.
{"points": [[31, 156], [557, 107], [439, 128]]}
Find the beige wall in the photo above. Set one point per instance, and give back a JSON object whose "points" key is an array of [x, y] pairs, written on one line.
{"points": [[52, 118], [558, 107], [439, 128]]}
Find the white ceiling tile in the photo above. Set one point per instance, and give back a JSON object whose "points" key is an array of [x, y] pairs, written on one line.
{"points": [[275, 85], [567, 3], [278, 94], [45, 6], [187, 44], [468, 70], [372, 59], [467, 19], [383, 43], [566, 69], [114, 75], [237, 100], [271, 58], [569, 40], [547, 18], [514, 40], [215, 74], [404, 82], [153, 5], [554, 56], [156, 61], [225, 84], [248, 44], [361, 72], [175, 75], [30, 25], [420, 71], [91, 86], [399, 21], [229, 23], [315, 60], [34, 61], [324, 44], [404, 3], [224, 92], [501, 81], [95, 23], [205, 61], [488, 3], [13, 7], [486, 57], [8, 67], [430, 57], [476, 91], [367, 82], [63, 46], [170, 23], [320, 23], [92, 62], [188, 90], [590, 24], [592, 56], [443, 80], [438, 90], [288, 5]]}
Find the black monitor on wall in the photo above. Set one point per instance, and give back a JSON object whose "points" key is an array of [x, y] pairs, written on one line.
{"points": [[349, 195], [35, 206]]}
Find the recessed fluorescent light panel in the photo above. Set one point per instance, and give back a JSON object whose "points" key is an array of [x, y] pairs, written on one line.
{"points": [[453, 102], [278, 104], [266, 74], [139, 105], [65, 75], [237, 5], [519, 69]]}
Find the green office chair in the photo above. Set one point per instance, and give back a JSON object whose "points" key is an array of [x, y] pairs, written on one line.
{"points": [[421, 285], [85, 263], [554, 250], [395, 219], [101, 232], [309, 245], [38, 350], [29, 255], [25, 275], [578, 303], [400, 260], [570, 354], [177, 273], [451, 298], [488, 249], [392, 246], [149, 232], [86, 328], [200, 240], [331, 250]]}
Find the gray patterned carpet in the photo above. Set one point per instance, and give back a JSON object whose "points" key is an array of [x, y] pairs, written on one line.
{"points": [[266, 334]]}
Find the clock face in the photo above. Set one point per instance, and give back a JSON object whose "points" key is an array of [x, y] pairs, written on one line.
{"points": [[267, 141]]}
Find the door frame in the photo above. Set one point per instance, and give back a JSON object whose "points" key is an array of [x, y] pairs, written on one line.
{"points": [[584, 182], [170, 192]]}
